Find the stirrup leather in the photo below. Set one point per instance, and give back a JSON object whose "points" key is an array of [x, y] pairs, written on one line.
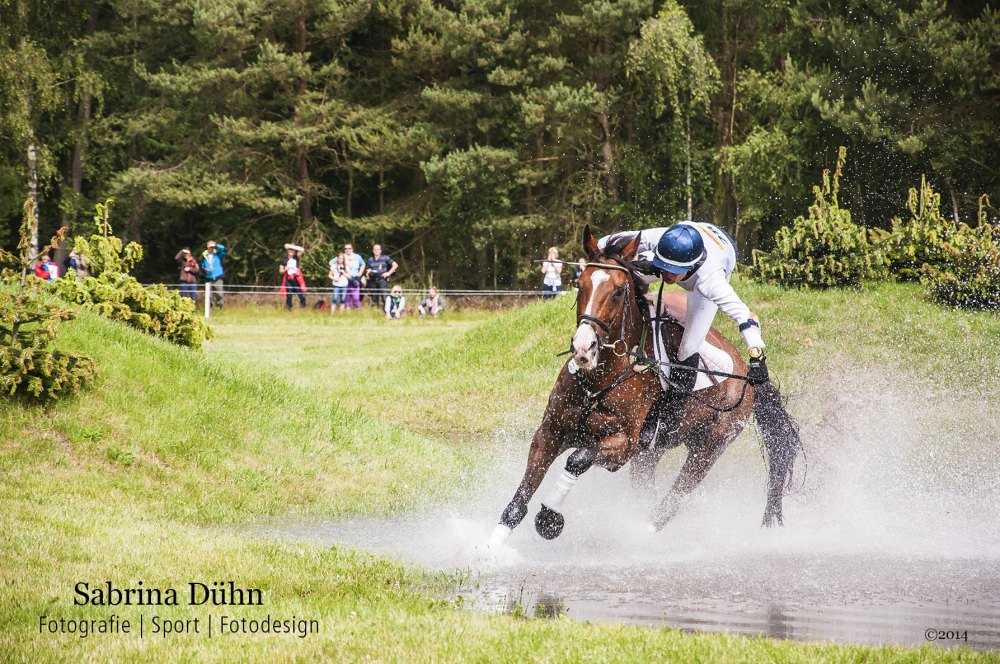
{"points": [[664, 418]]}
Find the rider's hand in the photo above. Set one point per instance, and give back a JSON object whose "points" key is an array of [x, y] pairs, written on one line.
{"points": [[758, 374]]}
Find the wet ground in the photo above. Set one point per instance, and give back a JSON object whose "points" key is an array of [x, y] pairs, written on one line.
{"points": [[892, 537]]}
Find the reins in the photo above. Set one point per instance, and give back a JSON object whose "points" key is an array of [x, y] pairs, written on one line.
{"points": [[638, 354]]}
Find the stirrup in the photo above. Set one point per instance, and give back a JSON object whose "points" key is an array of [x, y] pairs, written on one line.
{"points": [[649, 433]]}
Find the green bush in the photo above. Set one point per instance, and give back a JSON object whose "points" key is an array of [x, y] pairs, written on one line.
{"points": [[824, 249], [920, 241], [29, 324], [969, 276], [111, 292]]}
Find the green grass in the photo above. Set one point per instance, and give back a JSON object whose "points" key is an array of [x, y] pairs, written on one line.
{"points": [[454, 378], [144, 476]]}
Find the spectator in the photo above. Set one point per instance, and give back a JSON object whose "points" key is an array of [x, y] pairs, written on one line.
{"points": [[76, 265], [433, 304], [551, 271], [395, 304], [189, 273], [46, 269], [578, 272], [292, 281], [338, 275], [355, 266], [380, 268], [211, 266]]}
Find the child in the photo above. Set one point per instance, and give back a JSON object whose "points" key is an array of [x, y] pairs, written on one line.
{"points": [[338, 275]]}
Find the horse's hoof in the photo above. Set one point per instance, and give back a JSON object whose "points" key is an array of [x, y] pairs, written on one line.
{"points": [[549, 523]]}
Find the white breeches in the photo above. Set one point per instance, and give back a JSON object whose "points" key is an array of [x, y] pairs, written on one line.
{"points": [[700, 314]]}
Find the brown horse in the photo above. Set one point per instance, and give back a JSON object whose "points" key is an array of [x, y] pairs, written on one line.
{"points": [[605, 391]]}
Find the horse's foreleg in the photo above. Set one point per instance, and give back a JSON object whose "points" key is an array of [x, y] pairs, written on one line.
{"points": [[544, 450], [612, 453], [549, 522], [699, 461]]}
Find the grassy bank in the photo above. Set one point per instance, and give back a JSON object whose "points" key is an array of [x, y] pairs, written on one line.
{"points": [[140, 478], [458, 377]]}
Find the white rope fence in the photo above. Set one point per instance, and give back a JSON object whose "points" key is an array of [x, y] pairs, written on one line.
{"points": [[276, 290], [204, 290]]}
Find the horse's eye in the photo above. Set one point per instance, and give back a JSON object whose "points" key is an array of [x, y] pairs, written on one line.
{"points": [[618, 291]]}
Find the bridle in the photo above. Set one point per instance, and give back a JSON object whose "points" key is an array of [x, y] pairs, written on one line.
{"points": [[619, 346], [639, 361]]}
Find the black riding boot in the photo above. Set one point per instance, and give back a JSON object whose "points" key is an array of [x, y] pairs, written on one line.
{"points": [[664, 417]]}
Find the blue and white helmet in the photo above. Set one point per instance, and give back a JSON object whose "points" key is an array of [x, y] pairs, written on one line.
{"points": [[679, 250]]}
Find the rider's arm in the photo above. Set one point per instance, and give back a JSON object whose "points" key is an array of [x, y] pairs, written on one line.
{"points": [[647, 239], [717, 288]]}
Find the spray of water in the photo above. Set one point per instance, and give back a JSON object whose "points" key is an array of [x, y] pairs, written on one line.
{"points": [[894, 523]]}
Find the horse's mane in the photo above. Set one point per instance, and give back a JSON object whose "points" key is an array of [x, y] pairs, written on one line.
{"points": [[617, 243]]}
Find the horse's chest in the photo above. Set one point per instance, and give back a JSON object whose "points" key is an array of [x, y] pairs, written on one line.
{"points": [[598, 420]]}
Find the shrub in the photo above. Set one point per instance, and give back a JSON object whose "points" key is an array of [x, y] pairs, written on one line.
{"points": [[111, 292], [969, 276], [29, 324], [825, 248], [921, 240]]}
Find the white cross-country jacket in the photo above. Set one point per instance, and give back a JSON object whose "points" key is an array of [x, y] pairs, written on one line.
{"points": [[710, 281]]}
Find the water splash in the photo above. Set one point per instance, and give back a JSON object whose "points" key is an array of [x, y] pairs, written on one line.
{"points": [[895, 529]]}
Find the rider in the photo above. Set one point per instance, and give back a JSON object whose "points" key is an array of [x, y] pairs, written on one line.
{"points": [[700, 258]]}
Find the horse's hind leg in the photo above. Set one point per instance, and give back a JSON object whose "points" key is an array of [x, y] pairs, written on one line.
{"points": [[544, 450], [699, 461]]}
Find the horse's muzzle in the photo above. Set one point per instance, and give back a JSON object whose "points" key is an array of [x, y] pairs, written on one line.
{"points": [[585, 346]]}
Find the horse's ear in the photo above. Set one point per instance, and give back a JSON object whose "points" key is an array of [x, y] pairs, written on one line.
{"points": [[589, 243], [629, 251]]}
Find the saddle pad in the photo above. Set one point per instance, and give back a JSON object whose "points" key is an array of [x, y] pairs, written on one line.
{"points": [[712, 357]]}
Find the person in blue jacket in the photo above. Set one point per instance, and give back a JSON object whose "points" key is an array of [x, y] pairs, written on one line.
{"points": [[211, 265]]}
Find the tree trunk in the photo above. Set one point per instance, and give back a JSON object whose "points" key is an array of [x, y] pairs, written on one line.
{"points": [[954, 201], [76, 161], [496, 260], [305, 205], [301, 151], [33, 191], [381, 189], [726, 118], [32, 169], [423, 264], [350, 186], [481, 260], [609, 183], [687, 164], [134, 230]]}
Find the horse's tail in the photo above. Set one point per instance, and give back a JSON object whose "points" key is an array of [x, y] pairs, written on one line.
{"points": [[782, 444]]}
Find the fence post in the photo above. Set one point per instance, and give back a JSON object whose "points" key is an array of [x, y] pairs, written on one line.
{"points": [[208, 299]]}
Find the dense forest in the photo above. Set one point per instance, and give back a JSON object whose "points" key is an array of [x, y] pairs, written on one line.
{"points": [[468, 136]]}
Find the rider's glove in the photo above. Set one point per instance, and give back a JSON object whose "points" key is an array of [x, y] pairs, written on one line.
{"points": [[645, 267], [757, 375], [750, 329]]}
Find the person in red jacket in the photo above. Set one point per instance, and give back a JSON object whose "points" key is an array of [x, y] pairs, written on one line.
{"points": [[292, 281], [46, 269]]}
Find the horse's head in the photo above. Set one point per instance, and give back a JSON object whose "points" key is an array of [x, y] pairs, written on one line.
{"points": [[606, 288]]}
